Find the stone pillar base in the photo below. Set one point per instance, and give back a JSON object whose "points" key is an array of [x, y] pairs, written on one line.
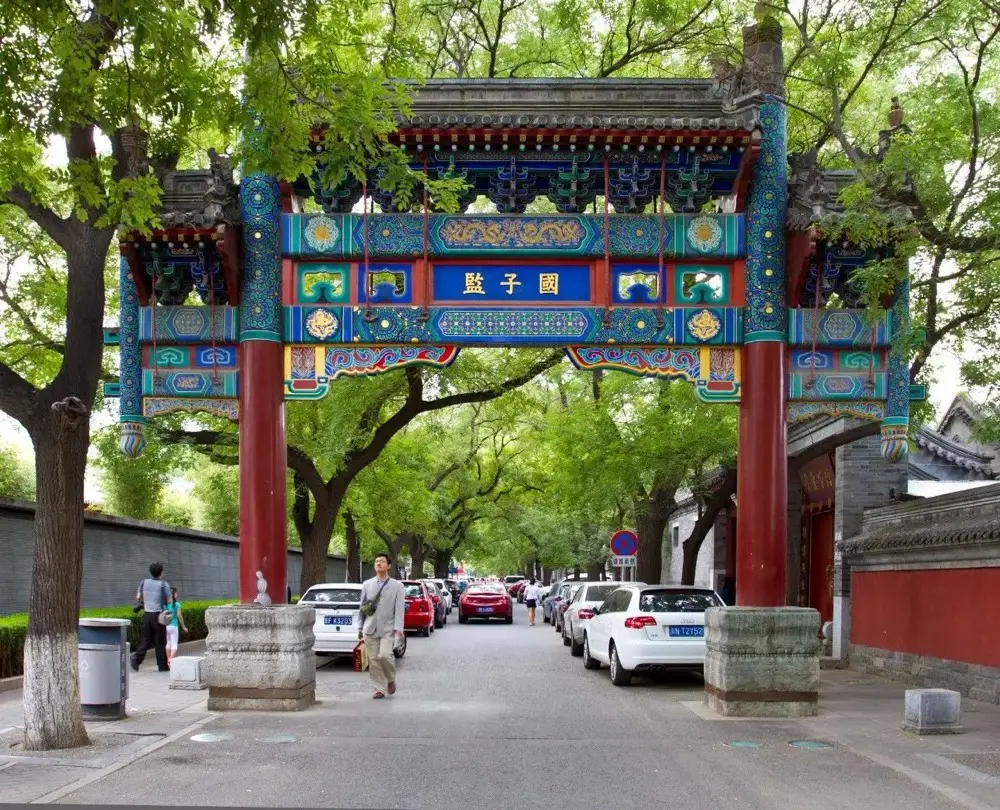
{"points": [[260, 658], [762, 662]]}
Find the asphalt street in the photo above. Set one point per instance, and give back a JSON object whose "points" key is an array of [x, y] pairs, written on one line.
{"points": [[497, 716]]}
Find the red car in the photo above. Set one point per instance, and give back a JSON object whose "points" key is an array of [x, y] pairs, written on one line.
{"points": [[486, 600], [419, 612]]}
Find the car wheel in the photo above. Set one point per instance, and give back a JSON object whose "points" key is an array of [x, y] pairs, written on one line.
{"points": [[588, 661], [619, 675], [425, 632], [575, 647], [400, 649], [545, 617], [556, 624], [509, 619], [461, 619], [565, 638]]}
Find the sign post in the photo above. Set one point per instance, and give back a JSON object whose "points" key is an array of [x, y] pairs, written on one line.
{"points": [[624, 545]]}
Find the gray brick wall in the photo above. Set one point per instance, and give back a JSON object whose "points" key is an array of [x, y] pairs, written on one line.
{"points": [[117, 554], [864, 479], [972, 680]]}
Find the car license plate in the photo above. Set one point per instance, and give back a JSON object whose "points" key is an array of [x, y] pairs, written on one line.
{"points": [[342, 620], [685, 631], [485, 609]]}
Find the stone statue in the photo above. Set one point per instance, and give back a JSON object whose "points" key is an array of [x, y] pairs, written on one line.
{"points": [[262, 597]]}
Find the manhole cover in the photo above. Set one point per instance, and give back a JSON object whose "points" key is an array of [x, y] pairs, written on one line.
{"points": [[743, 744], [810, 744], [213, 737], [280, 738]]}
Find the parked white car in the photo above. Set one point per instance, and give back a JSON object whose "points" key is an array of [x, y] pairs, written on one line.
{"points": [[577, 617], [338, 607], [645, 627], [445, 592]]}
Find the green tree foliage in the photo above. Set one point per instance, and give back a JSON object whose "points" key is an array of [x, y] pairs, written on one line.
{"points": [[135, 488], [17, 476], [217, 491]]}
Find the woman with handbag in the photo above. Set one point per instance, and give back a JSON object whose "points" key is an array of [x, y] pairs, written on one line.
{"points": [[175, 626]]}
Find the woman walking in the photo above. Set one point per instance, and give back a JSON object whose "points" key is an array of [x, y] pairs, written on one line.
{"points": [[176, 623], [532, 595]]}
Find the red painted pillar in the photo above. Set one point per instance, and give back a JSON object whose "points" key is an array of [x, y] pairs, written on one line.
{"points": [[762, 485], [263, 454], [263, 461]]}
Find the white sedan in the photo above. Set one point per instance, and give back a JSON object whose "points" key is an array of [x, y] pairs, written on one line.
{"points": [[646, 627], [575, 620]]}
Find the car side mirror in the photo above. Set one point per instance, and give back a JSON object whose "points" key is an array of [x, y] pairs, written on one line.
{"points": [[597, 610]]}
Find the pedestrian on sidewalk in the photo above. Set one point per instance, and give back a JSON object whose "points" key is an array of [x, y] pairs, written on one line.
{"points": [[532, 596], [175, 626], [383, 600], [154, 595]]}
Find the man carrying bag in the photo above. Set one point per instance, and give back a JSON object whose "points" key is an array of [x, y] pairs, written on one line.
{"points": [[153, 595], [383, 601]]}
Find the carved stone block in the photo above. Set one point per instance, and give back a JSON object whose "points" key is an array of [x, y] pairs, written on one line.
{"points": [[187, 672], [762, 662], [932, 711], [260, 658]]}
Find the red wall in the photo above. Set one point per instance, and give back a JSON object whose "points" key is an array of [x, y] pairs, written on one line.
{"points": [[952, 614]]}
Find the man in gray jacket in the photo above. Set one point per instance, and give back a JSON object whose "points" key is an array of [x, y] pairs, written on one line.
{"points": [[383, 601]]}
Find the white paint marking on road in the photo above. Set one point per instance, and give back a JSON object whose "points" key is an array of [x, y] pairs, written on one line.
{"points": [[55, 795], [962, 770], [921, 779]]}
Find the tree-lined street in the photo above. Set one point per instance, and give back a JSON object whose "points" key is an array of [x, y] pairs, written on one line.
{"points": [[498, 716]]}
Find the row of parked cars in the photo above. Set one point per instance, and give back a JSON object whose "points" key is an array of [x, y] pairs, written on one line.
{"points": [[429, 602], [631, 627]]}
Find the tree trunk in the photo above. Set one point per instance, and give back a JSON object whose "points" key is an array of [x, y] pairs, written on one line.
{"points": [[716, 502], [316, 544], [441, 564], [594, 571], [651, 519], [51, 697], [353, 548], [416, 545]]}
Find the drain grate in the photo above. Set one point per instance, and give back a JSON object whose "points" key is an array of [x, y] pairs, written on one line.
{"points": [[810, 744]]}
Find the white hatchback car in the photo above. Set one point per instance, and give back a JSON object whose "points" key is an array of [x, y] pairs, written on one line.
{"points": [[588, 595], [338, 611], [646, 627]]}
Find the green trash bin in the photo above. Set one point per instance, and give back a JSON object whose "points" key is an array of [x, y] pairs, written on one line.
{"points": [[103, 662]]}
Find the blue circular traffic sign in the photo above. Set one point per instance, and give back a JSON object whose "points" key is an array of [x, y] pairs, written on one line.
{"points": [[624, 543]]}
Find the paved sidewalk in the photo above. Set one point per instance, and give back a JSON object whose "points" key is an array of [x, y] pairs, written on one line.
{"points": [[545, 741]]}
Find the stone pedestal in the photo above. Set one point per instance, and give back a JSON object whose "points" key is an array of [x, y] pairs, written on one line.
{"points": [[187, 672], [762, 662], [932, 711], [260, 658]]}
